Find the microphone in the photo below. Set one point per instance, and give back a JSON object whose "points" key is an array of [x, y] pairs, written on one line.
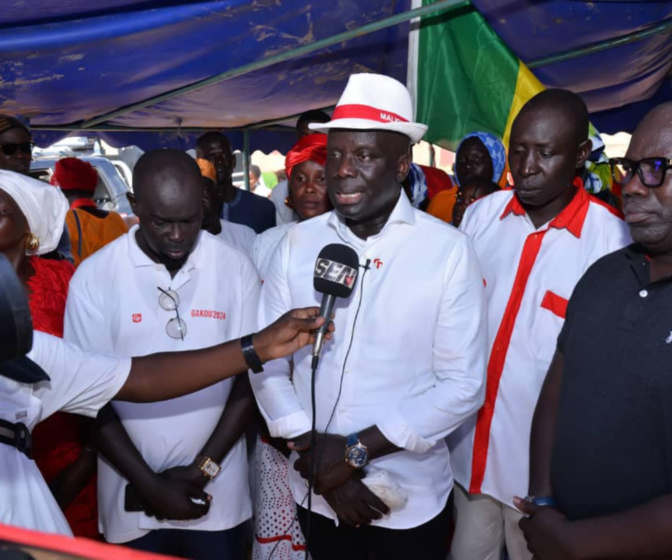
{"points": [[335, 274]]}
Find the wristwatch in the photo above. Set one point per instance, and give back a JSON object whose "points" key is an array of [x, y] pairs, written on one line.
{"points": [[356, 453], [541, 501], [209, 468]]}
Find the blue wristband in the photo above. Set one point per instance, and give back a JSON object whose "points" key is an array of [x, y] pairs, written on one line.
{"points": [[544, 501]]}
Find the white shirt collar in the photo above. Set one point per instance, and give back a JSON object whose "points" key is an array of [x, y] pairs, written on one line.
{"points": [[403, 213], [139, 258]]}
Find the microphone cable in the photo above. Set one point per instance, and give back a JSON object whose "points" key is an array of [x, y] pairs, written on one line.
{"points": [[313, 430]]}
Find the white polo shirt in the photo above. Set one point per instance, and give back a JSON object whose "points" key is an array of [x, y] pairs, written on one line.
{"points": [[113, 307], [80, 383], [240, 236], [265, 246], [410, 348], [529, 274]]}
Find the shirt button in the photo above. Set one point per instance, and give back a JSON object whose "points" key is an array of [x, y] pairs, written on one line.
{"points": [[643, 293]]}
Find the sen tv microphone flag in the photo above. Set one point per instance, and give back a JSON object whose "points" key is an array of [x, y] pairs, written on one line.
{"points": [[335, 275]]}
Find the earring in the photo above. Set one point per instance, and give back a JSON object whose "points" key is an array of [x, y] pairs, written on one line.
{"points": [[288, 202], [32, 243]]}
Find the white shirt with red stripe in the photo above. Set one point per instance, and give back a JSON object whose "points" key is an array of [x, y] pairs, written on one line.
{"points": [[529, 274]]}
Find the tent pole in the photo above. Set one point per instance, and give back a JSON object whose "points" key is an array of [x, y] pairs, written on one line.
{"points": [[246, 158], [602, 46], [440, 6]]}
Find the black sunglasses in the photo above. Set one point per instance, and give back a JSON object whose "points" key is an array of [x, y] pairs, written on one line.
{"points": [[651, 171], [10, 148]]}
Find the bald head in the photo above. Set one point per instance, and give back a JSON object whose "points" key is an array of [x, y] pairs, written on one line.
{"points": [[563, 102], [160, 170], [168, 192], [653, 135]]}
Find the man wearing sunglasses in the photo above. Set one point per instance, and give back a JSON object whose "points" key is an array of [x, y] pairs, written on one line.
{"points": [[16, 145], [601, 437], [168, 286], [16, 153]]}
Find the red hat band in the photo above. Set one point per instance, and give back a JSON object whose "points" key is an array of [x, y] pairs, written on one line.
{"points": [[366, 112]]}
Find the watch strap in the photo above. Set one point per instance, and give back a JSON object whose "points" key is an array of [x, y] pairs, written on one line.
{"points": [[352, 439], [249, 353]]}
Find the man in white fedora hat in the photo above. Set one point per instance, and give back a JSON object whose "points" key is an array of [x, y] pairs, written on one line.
{"points": [[408, 365]]}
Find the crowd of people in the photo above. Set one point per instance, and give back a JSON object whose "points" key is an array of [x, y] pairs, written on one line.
{"points": [[495, 385]]}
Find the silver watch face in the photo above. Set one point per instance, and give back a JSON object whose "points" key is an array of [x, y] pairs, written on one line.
{"points": [[211, 468], [358, 456]]}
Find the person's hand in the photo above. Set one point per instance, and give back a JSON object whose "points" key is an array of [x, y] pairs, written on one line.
{"points": [[73, 479], [355, 504], [547, 532], [189, 473], [174, 499], [294, 330], [331, 469]]}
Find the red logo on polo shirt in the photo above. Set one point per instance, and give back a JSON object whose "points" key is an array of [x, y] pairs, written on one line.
{"points": [[137, 317], [378, 263]]}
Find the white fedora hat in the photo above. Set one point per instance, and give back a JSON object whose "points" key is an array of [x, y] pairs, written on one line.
{"points": [[374, 102]]}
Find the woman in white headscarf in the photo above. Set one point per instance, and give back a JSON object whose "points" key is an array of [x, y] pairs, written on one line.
{"points": [[32, 217]]}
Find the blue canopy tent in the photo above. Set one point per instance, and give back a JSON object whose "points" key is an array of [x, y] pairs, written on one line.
{"points": [[157, 73]]}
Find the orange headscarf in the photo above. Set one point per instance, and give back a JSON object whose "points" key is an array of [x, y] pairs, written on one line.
{"points": [[312, 147], [207, 169]]}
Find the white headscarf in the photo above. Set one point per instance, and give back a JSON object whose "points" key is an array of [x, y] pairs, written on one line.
{"points": [[43, 205]]}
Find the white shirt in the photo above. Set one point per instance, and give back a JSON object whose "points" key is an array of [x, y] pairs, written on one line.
{"points": [[265, 246], [283, 214], [80, 383], [113, 307], [522, 343], [416, 364], [240, 236]]}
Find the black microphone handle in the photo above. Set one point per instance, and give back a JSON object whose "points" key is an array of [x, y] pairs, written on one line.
{"points": [[326, 309]]}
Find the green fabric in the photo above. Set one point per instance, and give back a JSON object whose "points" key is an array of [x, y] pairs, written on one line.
{"points": [[466, 77], [270, 179]]}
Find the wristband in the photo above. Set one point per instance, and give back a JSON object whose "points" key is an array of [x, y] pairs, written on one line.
{"points": [[543, 501], [251, 357]]}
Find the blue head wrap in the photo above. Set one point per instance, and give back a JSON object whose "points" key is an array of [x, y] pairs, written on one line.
{"points": [[496, 150]]}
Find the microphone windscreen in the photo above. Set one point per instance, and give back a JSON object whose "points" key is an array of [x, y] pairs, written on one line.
{"points": [[336, 270]]}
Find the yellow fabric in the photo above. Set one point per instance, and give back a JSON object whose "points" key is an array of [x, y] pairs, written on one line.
{"points": [[96, 232], [527, 86], [442, 205]]}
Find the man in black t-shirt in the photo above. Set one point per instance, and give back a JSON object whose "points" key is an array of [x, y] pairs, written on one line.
{"points": [[601, 451]]}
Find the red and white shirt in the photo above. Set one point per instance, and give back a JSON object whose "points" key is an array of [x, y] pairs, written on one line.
{"points": [[529, 274]]}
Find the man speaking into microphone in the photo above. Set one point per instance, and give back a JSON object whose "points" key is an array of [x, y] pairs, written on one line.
{"points": [[409, 362]]}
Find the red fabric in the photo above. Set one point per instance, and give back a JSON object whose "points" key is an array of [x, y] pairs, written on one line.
{"points": [[56, 441], [354, 111], [437, 180], [555, 304], [73, 548], [83, 203], [72, 174], [309, 148]]}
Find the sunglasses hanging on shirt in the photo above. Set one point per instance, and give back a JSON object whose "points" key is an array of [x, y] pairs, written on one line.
{"points": [[169, 300]]}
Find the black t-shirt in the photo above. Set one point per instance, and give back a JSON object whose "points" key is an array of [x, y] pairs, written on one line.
{"points": [[613, 443]]}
